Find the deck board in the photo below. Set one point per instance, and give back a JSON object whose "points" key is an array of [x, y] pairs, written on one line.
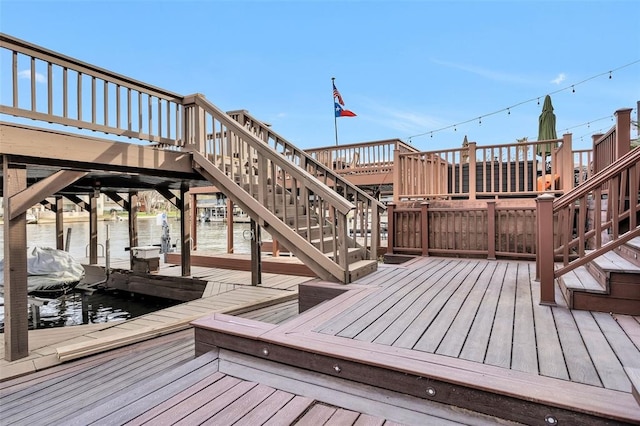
{"points": [[604, 358], [477, 340], [524, 354], [500, 342]]}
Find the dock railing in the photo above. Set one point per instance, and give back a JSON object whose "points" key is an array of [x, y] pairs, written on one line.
{"points": [[486, 229], [493, 171], [60, 90], [366, 158], [63, 90]]}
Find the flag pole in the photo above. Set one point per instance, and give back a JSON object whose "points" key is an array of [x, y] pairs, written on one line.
{"points": [[335, 119]]}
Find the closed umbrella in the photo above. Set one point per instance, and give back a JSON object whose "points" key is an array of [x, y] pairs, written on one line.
{"points": [[546, 128]]}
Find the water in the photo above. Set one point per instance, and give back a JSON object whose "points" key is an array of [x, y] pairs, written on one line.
{"points": [[212, 236], [100, 307]]}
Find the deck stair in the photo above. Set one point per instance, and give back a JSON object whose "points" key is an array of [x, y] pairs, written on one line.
{"points": [[609, 283], [284, 193]]}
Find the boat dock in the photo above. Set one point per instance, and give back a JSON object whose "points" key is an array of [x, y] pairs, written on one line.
{"points": [[407, 344], [226, 291]]}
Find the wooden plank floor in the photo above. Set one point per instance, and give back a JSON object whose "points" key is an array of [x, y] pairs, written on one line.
{"points": [[469, 331], [160, 382], [227, 291], [488, 312]]}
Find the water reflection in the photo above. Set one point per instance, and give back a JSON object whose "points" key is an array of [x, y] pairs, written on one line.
{"points": [[211, 236], [108, 307]]}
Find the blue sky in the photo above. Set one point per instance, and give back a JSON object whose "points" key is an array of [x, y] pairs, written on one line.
{"points": [[405, 68]]}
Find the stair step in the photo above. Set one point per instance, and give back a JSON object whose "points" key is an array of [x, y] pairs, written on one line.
{"points": [[609, 263], [634, 377], [631, 251], [580, 279], [362, 268]]}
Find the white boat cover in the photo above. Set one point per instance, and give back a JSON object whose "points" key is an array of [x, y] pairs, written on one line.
{"points": [[49, 269]]}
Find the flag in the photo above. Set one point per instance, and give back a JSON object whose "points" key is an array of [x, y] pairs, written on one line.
{"points": [[336, 94], [341, 112]]}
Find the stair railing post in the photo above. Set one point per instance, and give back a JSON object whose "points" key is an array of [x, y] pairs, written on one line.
{"points": [[424, 227], [491, 230], [545, 251], [390, 222], [472, 170]]}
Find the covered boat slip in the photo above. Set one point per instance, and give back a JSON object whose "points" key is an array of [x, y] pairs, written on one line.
{"points": [[467, 333]]}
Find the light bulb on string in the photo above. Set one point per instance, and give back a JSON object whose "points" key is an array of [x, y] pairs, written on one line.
{"points": [[538, 101], [480, 121], [573, 89], [609, 75], [508, 111]]}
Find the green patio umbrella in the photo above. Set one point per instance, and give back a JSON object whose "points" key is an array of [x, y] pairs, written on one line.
{"points": [[546, 127]]}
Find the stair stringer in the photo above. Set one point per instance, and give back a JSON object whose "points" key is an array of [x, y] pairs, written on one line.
{"points": [[317, 261]]}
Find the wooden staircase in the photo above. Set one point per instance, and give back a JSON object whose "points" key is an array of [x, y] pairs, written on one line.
{"points": [[282, 191], [609, 283]]}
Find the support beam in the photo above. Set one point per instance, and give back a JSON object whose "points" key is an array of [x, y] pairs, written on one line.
{"points": [[93, 228], [185, 231], [229, 225], [116, 198], [133, 219], [59, 223], [256, 258], [16, 327], [37, 192]]}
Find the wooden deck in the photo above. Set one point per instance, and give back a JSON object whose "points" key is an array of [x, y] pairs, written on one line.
{"points": [[226, 291], [463, 332], [161, 382]]}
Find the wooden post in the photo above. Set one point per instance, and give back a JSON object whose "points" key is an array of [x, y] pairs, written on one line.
{"points": [[16, 326], [390, 226], [185, 230], [623, 132], [567, 167], [229, 225], [194, 220], [397, 188], [472, 170], [59, 223], [544, 254], [491, 230], [424, 227], [93, 227], [256, 260], [133, 219]]}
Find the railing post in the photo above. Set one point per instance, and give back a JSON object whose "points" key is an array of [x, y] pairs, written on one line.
{"points": [[397, 189], [623, 132], [567, 167], [472, 170], [545, 252], [424, 227], [491, 230], [390, 225]]}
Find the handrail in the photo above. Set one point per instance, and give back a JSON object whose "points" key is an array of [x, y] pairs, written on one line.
{"points": [[365, 217], [302, 175], [474, 171], [569, 238], [597, 180], [302, 156], [81, 95]]}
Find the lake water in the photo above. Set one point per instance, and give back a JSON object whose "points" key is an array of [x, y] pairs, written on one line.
{"points": [[100, 307]]}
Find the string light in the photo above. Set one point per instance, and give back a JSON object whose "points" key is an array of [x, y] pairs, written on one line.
{"points": [[508, 109]]}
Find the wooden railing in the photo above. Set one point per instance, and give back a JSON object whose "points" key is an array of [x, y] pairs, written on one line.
{"points": [[280, 195], [484, 172], [484, 230], [62, 90], [364, 220], [360, 158], [564, 233]]}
